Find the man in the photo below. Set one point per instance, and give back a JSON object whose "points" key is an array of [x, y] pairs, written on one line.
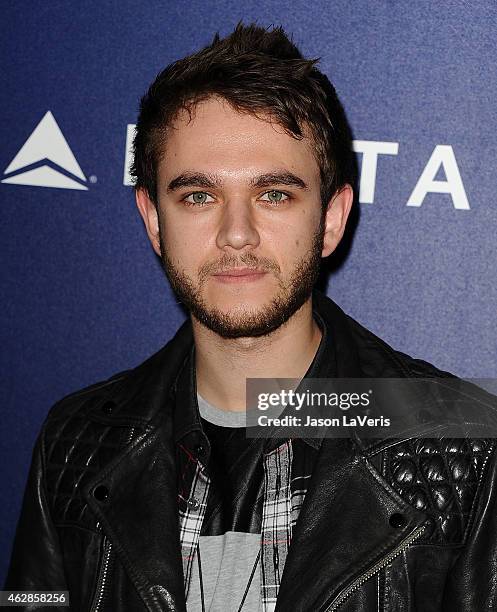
{"points": [[144, 492]]}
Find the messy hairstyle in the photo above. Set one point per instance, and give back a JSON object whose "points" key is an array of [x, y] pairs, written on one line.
{"points": [[257, 71]]}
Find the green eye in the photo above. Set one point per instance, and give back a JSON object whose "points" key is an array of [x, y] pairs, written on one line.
{"points": [[274, 196], [199, 198]]}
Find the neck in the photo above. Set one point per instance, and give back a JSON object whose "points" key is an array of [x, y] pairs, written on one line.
{"points": [[222, 365]]}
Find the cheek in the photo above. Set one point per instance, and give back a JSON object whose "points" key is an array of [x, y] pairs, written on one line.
{"points": [[186, 229], [175, 242], [185, 244], [175, 231], [297, 237]]}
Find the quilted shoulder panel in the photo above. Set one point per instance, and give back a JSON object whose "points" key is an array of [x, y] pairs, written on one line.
{"points": [[76, 449], [440, 477]]}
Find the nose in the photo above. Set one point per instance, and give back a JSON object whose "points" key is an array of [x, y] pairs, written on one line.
{"points": [[237, 228]]}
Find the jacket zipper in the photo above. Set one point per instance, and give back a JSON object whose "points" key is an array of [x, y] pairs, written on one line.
{"points": [[375, 569], [104, 566], [102, 578]]}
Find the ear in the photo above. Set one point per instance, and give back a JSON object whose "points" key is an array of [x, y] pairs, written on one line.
{"points": [[149, 214], [336, 217]]}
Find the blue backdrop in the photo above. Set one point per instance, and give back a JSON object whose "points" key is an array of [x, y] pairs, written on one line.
{"points": [[84, 295]]}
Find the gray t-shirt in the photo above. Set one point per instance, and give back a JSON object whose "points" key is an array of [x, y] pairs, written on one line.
{"points": [[227, 560]]}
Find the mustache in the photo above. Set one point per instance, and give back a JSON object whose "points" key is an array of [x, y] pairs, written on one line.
{"points": [[248, 260]]}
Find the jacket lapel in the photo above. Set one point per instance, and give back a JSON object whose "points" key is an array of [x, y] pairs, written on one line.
{"points": [[140, 517], [140, 514], [343, 529]]}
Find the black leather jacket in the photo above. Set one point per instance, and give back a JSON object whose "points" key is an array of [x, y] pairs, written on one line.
{"points": [[387, 525]]}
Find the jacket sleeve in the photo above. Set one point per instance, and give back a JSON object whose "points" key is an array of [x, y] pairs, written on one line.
{"points": [[472, 582], [36, 561]]}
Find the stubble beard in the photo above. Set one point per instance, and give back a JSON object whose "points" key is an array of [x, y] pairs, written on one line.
{"points": [[251, 323]]}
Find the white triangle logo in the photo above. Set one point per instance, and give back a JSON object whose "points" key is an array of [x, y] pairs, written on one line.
{"points": [[46, 142]]}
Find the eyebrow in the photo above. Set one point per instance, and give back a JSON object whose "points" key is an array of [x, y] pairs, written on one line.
{"points": [[211, 181], [278, 178], [193, 179]]}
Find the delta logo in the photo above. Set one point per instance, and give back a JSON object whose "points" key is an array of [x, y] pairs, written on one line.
{"points": [[46, 160]]}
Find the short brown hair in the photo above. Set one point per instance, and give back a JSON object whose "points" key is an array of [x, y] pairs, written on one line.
{"points": [[258, 71]]}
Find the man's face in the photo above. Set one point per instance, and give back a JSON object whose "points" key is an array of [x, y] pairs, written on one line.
{"points": [[237, 192]]}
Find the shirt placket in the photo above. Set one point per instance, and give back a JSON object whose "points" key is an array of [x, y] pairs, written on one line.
{"points": [[276, 527], [191, 520]]}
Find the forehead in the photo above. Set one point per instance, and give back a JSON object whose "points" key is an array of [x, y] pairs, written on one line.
{"points": [[217, 138]]}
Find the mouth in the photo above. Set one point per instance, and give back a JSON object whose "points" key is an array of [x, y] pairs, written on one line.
{"points": [[239, 275]]}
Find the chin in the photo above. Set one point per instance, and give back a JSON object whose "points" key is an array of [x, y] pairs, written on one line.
{"points": [[240, 298]]}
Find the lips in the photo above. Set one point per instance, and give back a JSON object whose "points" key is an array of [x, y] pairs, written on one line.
{"points": [[240, 272]]}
